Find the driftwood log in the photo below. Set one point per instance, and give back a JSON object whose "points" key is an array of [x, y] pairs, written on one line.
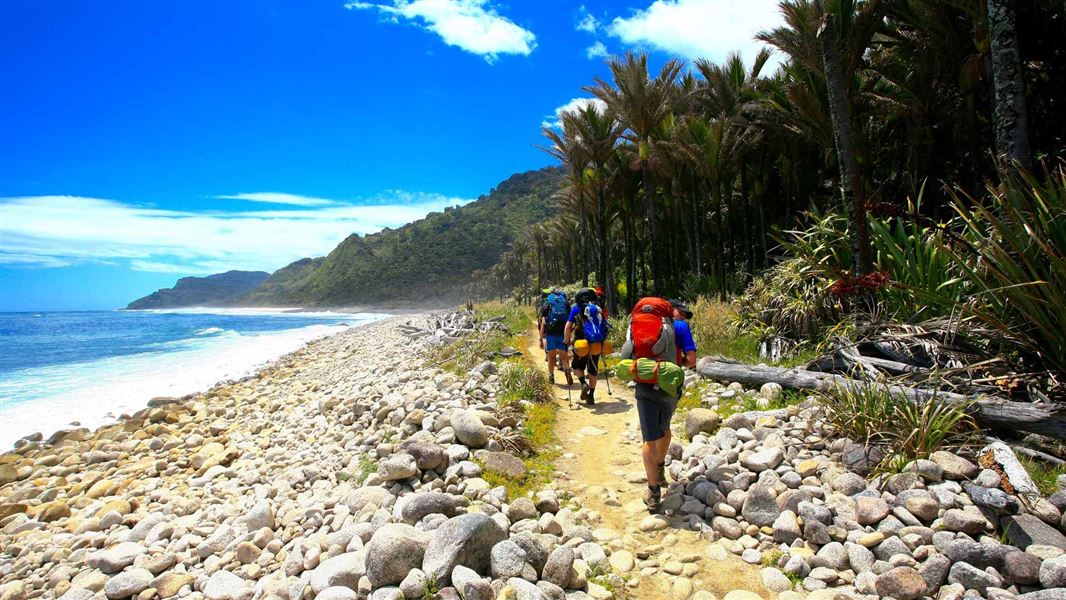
{"points": [[989, 411]]}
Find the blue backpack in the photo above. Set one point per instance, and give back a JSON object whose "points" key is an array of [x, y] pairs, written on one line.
{"points": [[593, 323], [558, 308]]}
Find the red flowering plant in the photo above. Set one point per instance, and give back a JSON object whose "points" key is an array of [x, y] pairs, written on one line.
{"points": [[848, 285]]}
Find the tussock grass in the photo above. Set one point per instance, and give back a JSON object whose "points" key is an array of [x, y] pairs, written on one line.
{"points": [[717, 328], [520, 381], [906, 430], [1044, 475]]}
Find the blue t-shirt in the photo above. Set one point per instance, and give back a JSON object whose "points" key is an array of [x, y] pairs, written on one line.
{"points": [[683, 337]]}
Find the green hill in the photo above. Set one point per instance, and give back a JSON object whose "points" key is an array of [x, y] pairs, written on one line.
{"points": [[213, 290], [425, 261]]}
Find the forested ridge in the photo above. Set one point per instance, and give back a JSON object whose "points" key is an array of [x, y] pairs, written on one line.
{"points": [[429, 261]]}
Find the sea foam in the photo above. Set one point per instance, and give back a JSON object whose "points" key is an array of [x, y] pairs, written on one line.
{"points": [[97, 392]]}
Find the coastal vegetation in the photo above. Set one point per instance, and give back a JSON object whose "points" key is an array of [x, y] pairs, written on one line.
{"points": [[883, 191]]}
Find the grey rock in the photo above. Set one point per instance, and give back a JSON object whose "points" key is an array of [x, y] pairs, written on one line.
{"points": [[700, 420], [224, 585], [762, 460], [427, 456], [870, 511], [344, 570], [260, 515], [337, 593], [1022, 568], [981, 555], [395, 549], [775, 580], [924, 508], [860, 558], [397, 466], [760, 506], [464, 540], [861, 458], [507, 464], [935, 572], [927, 469], [1052, 594], [414, 507], [469, 429], [834, 556], [217, 542], [727, 528], [1053, 572], [525, 590], [786, 528], [128, 583], [521, 508], [848, 484], [1026, 530], [117, 557], [892, 546], [507, 559], [901, 583], [954, 466], [964, 521], [414, 585], [973, 578], [557, 568], [365, 496]]}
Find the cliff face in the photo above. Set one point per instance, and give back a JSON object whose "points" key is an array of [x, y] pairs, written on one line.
{"points": [[427, 261], [213, 290]]}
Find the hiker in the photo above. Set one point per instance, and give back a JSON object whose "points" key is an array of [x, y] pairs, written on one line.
{"points": [[553, 317], [540, 317], [658, 332], [585, 333]]}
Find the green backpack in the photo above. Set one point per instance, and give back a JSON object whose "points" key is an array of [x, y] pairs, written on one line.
{"points": [[668, 376]]}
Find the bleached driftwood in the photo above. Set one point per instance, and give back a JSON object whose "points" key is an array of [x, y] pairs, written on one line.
{"points": [[989, 411]]}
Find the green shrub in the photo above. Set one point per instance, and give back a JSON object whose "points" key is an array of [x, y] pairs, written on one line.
{"points": [[520, 381], [906, 429], [1013, 250]]}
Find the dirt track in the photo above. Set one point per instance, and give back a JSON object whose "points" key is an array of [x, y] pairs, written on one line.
{"points": [[601, 466]]}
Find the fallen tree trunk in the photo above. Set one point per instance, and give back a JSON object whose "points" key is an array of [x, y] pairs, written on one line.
{"points": [[989, 411]]}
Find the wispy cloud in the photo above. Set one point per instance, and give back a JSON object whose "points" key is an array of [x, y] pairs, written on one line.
{"points": [[586, 21], [597, 50], [281, 198], [700, 28], [57, 231], [471, 25], [556, 118]]}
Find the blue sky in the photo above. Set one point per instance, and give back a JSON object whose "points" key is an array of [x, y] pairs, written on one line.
{"points": [[141, 142]]}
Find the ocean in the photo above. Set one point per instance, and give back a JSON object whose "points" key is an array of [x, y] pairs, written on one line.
{"points": [[67, 369]]}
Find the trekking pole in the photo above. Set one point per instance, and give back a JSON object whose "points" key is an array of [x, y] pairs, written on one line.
{"points": [[606, 374]]}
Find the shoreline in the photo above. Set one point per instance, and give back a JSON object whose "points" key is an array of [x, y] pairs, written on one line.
{"points": [[118, 411]]}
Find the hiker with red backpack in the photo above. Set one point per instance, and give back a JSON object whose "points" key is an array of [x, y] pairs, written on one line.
{"points": [[585, 333], [553, 317], [658, 343]]}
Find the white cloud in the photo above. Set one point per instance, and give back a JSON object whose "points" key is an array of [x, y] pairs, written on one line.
{"points": [[556, 118], [701, 28], [587, 22], [56, 231], [597, 50], [280, 198], [472, 25]]}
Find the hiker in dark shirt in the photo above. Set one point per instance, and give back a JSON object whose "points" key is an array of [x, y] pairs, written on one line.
{"points": [[553, 316]]}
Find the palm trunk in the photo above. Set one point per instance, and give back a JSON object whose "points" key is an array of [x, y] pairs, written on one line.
{"points": [[649, 206], [1012, 121], [584, 239], [719, 265], [603, 271], [839, 110]]}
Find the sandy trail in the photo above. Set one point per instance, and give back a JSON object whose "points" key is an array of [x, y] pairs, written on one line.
{"points": [[601, 465]]}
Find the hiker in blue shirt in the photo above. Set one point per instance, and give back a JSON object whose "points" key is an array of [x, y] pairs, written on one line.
{"points": [[686, 346]]}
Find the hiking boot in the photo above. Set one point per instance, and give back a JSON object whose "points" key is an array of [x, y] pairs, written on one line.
{"points": [[653, 499], [569, 378], [584, 392], [590, 399]]}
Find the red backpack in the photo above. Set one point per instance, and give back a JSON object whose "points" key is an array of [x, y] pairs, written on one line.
{"points": [[651, 330]]}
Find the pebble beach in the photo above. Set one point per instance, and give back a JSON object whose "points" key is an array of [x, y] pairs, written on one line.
{"points": [[349, 470]]}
